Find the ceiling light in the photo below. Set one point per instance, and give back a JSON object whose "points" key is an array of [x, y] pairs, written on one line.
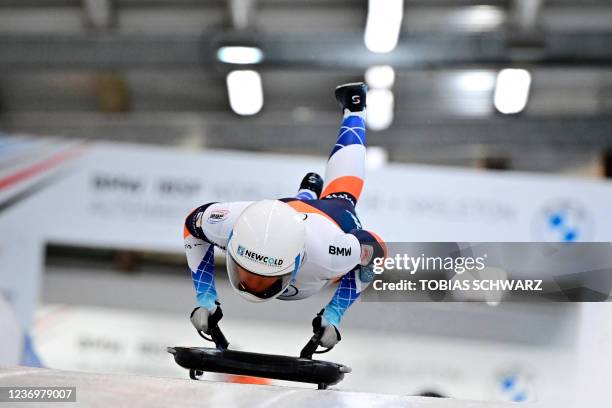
{"points": [[380, 76], [239, 55], [380, 109], [512, 90], [245, 92], [383, 25], [478, 18], [474, 81], [376, 157]]}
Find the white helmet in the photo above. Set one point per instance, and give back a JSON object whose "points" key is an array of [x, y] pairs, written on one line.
{"points": [[265, 249]]}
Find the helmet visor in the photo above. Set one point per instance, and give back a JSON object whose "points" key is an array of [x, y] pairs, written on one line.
{"points": [[262, 287]]}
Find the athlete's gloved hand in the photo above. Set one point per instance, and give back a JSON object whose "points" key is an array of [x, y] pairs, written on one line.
{"points": [[331, 334], [204, 319]]}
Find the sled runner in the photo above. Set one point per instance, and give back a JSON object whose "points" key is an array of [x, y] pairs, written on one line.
{"points": [[221, 360]]}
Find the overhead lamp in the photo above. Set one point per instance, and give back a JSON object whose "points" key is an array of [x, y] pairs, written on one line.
{"points": [[380, 109], [478, 18], [380, 76], [376, 157], [383, 25], [512, 90], [474, 80], [232, 54], [380, 80], [245, 91]]}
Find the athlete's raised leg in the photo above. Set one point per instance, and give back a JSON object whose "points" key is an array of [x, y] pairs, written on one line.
{"points": [[310, 187], [345, 170]]}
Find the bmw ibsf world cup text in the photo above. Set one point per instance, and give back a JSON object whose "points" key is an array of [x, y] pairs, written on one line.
{"points": [[458, 265]]}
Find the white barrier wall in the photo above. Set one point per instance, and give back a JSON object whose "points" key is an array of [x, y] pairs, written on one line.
{"points": [[138, 196], [10, 335], [594, 356]]}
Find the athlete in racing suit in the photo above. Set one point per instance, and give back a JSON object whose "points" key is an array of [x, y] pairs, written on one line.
{"points": [[337, 249]]}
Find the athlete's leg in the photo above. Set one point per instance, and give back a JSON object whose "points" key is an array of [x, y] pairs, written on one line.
{"points": [[345, 170], [310, 187]]}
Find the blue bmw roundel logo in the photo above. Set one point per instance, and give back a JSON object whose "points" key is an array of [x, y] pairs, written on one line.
{"points": [[563, 221]]}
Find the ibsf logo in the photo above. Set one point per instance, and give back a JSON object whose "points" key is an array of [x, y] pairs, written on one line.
{"points": [[262, 259], [217, 216], [564, 221]]}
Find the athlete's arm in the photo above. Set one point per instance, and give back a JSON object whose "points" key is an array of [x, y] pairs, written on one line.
{"points": [[369, 246], [208, 226], [357, 279]]}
